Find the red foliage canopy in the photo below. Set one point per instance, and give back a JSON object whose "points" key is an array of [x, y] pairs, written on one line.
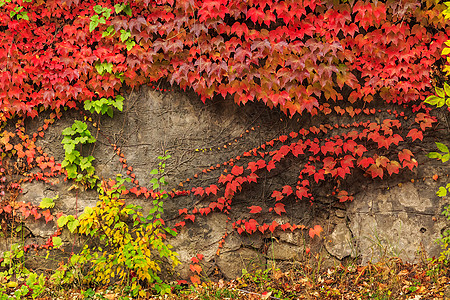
{"points": [[299, 55], [319, 56]]}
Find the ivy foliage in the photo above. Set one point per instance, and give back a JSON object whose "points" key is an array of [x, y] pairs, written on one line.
{"points": [[78, 167], [440, 99], [325, 57], [300, 56], [129, 246]]}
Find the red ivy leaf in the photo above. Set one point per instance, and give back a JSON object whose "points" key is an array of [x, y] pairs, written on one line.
{"points": [[285, 226], [212, 189], [375, 171], [47, 215], [410, 164], [365, 162], [302, 192], [198, 191], [393, 167], [263, 227], [254, 209], [277, 195], [237, 170], [279, 208], [405, 154], [270, 165], [415, 134], [251, 226], [190, 217], [287, 190], [282, 138], [252, 177], [319, 175], [273, 226]]}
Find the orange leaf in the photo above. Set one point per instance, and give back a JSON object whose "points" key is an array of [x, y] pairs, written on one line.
{"points": [[196, 268], [315, 231], [195, 279]]}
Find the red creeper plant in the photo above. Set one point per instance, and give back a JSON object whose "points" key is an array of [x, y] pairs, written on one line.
{"points": [[338, 60]]}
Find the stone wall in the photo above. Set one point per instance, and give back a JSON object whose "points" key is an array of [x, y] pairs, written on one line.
{"points": [[398, 216]]}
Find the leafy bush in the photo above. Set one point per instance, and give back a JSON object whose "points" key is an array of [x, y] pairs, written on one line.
{"points": [[127, 241]]}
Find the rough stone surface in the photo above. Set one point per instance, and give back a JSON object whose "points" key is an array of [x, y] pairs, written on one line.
{"points": [[398, 221], [340, 213], [294, 238], [283, 251], [384, 218], [340, 242], [232, 263]]}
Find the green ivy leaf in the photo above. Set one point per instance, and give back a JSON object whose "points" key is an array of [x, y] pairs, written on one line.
{"points": [[47, 203], [94, 23], [440, 92], [79, 126], [69, 147], [130, 44], [447, 88], [434, 155], [107, 13], [442, 147], [98, 9], [445, 51], [124, 35], [71, 171], [433, 100], [100, 69], [68, 131], [57, 242], [110, 112], [127, 10], [108, 67], [84, 163], [442, 192], [81, 139], [109, 31], [119, 102], [104, 109], [23, 15], [62, 221], [119, 7], [154, 182], [65, 163], [72, 225], [87, 105]]}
